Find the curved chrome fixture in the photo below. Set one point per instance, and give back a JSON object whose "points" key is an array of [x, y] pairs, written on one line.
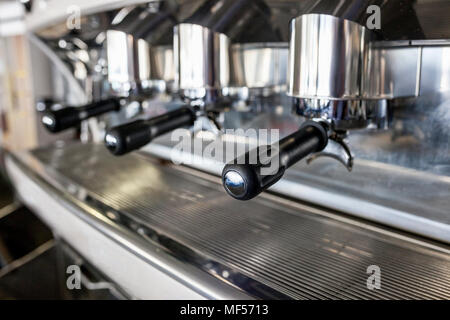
{"points": [[79, 94]]}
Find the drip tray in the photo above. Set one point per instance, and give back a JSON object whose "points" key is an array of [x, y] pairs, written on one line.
{"points": [[268, 247]]}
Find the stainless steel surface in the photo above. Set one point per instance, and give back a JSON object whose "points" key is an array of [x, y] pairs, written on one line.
{"points": [[90, 230], [392, 72], [412, 200], [326, 57], [202, 60], [337, 59], [435, 73], [295, 250], [260, 65], [161, 63], [407, 69], [135, 63], [120, 58], [346, 114], [139, 50]]}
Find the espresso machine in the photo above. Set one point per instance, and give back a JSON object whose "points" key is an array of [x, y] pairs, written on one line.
{"points": [[356, 179]]}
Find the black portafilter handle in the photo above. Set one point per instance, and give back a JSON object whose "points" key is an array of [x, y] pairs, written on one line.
{"points": [[247, 176], [134, 135], [68, 117]]}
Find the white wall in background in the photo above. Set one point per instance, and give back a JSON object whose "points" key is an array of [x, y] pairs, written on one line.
{"points": [[11, 18]]}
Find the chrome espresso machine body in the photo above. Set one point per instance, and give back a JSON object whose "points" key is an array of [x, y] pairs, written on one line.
{"points": [[211, 49], [358, 93], [138, 65]]}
